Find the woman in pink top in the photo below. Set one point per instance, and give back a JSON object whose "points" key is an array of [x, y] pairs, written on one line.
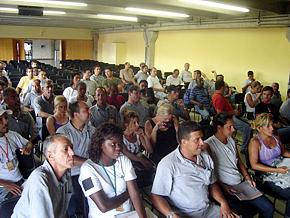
{"points": [[268, 155]]}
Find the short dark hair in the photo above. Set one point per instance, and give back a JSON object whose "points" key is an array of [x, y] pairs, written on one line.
{"points": [[8, 91], [3, 81], [143, 81], [197, 72], [108, 68], [85, 70], [104, 132], [250, 73], [96, 66], [267, 88], [219, 84], [134, 88], [186, 128], [143, 66], [73, 107], [81, 84], [73, 76], [220, 120], [29, 68]]}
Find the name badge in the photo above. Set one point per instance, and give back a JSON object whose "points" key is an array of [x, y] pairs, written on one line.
{"points": [[10, 165]]}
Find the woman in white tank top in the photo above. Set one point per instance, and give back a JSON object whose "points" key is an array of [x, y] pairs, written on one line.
{"points": [[252, 98]]}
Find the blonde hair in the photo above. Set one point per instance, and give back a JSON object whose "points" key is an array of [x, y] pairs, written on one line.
{"points": [[128, 116], [262, 120], [164, 109], [255, 84], [58, 100]]}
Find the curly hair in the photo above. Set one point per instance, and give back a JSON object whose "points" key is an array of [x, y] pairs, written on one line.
{"points": [[104, 132]]}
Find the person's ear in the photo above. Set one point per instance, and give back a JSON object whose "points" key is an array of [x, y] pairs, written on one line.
{"points": [[50, 155]]}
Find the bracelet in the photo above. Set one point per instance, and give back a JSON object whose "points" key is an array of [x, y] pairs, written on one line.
{"points": [[170, 214]]}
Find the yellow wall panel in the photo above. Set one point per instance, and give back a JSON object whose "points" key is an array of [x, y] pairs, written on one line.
{"points": [[6, 49], [78, 49]]}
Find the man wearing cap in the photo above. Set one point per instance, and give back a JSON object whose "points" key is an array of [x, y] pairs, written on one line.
{"points": [[10, 176], [48, 189], [179, 109]]}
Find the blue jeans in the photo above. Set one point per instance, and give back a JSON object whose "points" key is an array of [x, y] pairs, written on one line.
{"points": [[280, 193], [261, 205], [245, 130]]}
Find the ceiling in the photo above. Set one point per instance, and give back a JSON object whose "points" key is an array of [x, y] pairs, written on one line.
{"points": [[276, 11]]}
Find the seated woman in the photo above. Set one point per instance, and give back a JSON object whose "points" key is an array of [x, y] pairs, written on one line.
{"points": [[71, 91], [252, 98], [135, 140], [268, 155], [108, 179], [60, 116], [230, 169], [114, 98], [162, 131], [81, 95]]}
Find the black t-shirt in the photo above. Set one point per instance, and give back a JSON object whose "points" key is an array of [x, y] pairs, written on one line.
{"points": [[267, 108]]}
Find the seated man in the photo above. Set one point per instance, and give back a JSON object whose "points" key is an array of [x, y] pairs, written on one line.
{"points": [[174, 79], [154, 83], [25, 80], [179, 109], [127, 76], [19, 121], [10, 176], [48, 189], [97, 76], [102, 112], [222, 105], [91, 84], [185, 179], [199, 97], [142, 74], [28, 102], [111, 80]]}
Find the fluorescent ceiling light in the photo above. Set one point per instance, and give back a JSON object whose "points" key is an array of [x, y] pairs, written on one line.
{"points": [[217, 5], [63, 3], [117, 17], [157, 13], [53, 12], [9, 10]]}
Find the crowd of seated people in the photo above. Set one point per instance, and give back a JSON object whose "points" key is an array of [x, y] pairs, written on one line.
{"points": [[106, 138]]}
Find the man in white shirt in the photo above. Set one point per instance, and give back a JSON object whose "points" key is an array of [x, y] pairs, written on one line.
{"points": [[10, 176], [48, 189], [154, 83], [186, 75], [173, 79], [142, 74]]}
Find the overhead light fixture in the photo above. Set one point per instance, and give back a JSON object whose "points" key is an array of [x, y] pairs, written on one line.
{"points": [[117, 17], [157, 13], [217, 5], [53, 12], [63, 3], [9, 10]]}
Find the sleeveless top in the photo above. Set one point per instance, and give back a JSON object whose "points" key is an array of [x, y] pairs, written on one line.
{"points": [[56, 124], [166, 142], [248, 107], [267, 155], [133, 147]]}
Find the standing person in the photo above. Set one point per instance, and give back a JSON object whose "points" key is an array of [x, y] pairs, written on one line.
{"points": [[142, 73], [127, 76], [97, 76], [185, 180], [108, 179], [48, 189], [269, 157], [186, 75], [60, 116], [247, 84], [230, 169], [252, 98], [91, 84], [80, 133], [71, 91], [162, 130]]}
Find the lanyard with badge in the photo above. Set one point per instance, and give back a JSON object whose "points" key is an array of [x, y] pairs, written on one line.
{"points": [[9, 164], [120, 208]]}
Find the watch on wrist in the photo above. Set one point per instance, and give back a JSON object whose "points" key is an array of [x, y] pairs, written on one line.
{"points": [[170, 214]]}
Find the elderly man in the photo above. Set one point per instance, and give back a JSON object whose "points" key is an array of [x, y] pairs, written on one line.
{"points": [[185, 178], [10, 176], [133, 104], [102, 112], [48, 189], [80, 132]]}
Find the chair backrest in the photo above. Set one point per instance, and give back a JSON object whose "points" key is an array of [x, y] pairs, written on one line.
{"points": [[7, 206]]}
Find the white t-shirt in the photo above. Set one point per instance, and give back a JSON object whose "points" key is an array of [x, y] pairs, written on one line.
{"points": [[93, 178], [186, 76], [153, 82], [248, 107], [15, 140], [69, 92], [170, 80]]}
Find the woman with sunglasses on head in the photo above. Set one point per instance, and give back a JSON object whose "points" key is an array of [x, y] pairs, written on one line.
{"points": [[108, 179]]}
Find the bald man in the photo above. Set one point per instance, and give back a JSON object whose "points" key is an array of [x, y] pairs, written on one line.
{"points": [[48, 189]]}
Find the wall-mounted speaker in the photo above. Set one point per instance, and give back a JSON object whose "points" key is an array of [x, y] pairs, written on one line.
{"points": [[30, 11]]}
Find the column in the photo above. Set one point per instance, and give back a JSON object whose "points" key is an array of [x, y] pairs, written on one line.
{"points": [[150, 38]]}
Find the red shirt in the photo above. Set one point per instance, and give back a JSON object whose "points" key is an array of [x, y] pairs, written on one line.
{"points": [[116, 100], [220, 103]]}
